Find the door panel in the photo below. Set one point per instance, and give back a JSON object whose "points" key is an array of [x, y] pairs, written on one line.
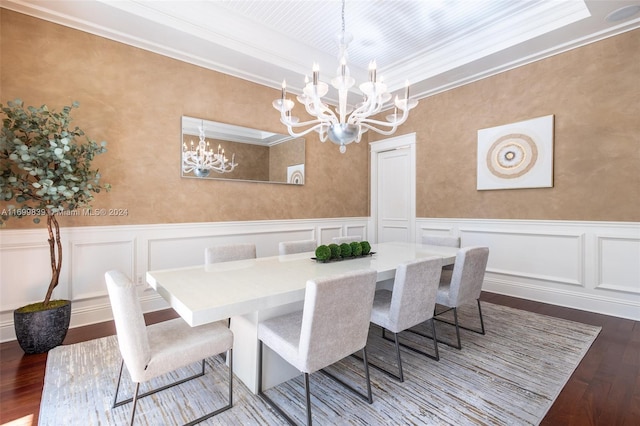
{"points": [[395, 216]]}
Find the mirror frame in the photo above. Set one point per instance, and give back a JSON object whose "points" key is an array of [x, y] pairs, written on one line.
{"points": [[235, 136]]}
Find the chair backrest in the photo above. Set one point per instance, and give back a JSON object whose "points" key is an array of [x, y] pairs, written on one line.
{"points": [[347, 239], [468, 275], [229, 252], [441, 240], [130, 326], [291, 247], [335, 319], [414, 292]]}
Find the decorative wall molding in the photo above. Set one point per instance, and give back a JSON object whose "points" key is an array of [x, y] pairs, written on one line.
{"points": [[591, 266], [91, 251]]}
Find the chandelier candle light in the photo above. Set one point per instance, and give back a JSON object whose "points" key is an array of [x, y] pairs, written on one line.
{"points": [[201, 159], [344, 124]]}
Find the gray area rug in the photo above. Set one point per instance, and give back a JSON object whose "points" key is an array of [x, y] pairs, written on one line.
{"points": [[510, 376]]}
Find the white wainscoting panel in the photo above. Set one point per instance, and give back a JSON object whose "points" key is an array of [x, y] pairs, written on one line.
{"points": [[593, 266], [531, 254], [89, 262], [91, 251], [619, 264]]}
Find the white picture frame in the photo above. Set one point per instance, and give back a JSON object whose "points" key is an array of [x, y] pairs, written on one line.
{"points": [[516, 155]]}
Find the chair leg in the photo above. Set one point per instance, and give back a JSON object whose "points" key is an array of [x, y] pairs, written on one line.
{"points": [[481, 320], [458, 326], [307, 392], [137, 396], [268, 400], [151, 392], [455, 316], [400, 375], [435, 340], [135, 402], [398, 359], [436, 355], [366, 373], [368, 397], [115, 397], [230, 403]]}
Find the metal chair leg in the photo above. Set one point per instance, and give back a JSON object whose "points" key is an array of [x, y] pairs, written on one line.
{"points": [[481, 320], [230, 403], [455, 316], [264, 396], [137, 396], [366, 373], [458, 326], [151, 392], [135, 402], [400, 375], [436, 355], [398, 359], [115, 397], [368, 397], [308, 397]]}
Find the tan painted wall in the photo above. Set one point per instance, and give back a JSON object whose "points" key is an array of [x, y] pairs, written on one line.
{"points": [[134, 100], [594, 93]]}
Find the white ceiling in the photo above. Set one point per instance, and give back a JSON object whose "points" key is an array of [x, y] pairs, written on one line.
{"points": [[434, 44]]}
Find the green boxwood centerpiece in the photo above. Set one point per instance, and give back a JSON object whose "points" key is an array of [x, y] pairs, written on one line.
{"points": [[356, 249], [323, 253], [344, 251], [335, 251]]}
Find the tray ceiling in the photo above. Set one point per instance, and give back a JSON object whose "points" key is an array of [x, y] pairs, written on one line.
{"points": [[434, 44]]}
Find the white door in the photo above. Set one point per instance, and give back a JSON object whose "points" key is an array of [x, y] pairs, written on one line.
{"points": [[393, 190]]}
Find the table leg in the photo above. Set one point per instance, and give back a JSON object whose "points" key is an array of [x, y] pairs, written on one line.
{"points": [[245, 350]]}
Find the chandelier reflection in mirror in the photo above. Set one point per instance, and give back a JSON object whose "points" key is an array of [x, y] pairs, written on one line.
{"points": [[345, 124], [201, 159]]}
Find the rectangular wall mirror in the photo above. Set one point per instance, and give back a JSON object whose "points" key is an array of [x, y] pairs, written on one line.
{"points": [[212, 150]]}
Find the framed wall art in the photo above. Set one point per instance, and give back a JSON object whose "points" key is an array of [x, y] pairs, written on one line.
{"points": [[516, 155]]}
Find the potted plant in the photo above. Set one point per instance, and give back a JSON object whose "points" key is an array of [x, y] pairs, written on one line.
{"points": [[46, 171]]}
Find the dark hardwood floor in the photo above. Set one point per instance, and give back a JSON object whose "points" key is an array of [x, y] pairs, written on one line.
{"points": [[604, 389]]}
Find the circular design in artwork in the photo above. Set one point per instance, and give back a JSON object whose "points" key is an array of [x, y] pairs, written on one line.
{"points": [[512, 156], [297, 177]]}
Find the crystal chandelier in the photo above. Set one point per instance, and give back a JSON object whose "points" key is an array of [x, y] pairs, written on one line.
{"points": [[344, 124], [201, 159]]}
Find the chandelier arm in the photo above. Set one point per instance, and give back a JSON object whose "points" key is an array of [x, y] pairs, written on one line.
{"points": [[304, 132], [302, 124], [370, 123], [381, 131], [366, 110], [403, 118], [325, 112]]}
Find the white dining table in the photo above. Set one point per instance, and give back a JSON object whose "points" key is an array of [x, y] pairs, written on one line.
{"points": [[250, 291]]}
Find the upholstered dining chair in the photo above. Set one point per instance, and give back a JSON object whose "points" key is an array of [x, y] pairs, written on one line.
{"points": [[333, 324], [229, 252], [347, 239], [442, 240], [151, 351], [464, 286], [292, 247], [411, 302]]}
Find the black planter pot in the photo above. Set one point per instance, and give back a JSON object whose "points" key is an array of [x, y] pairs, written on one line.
{"points": [[40, 331]]}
